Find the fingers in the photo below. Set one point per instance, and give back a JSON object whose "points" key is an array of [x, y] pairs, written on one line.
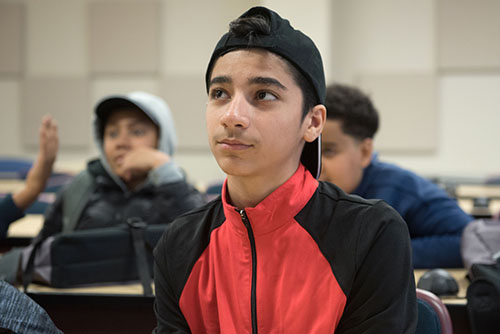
{"points": [[48, 139]]}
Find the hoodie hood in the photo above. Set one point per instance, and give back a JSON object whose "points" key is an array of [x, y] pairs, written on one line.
{"points": [[154, 107]]}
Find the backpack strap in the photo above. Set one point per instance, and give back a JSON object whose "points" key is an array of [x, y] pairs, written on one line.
{"points": [[137, 228], [29, 271], [76, 196]]}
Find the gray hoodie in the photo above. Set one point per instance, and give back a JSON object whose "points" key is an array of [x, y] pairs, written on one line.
{"points": [[158, 111]]}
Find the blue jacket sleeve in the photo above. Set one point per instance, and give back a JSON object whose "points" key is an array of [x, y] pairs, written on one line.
{"points": [[9, 213], [434, 219], [436, 229]]}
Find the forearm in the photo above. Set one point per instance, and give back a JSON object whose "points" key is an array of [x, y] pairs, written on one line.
{"points": [[25, 197]]}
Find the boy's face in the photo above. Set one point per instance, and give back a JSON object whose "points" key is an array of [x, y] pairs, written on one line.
{"points": [[125, 130], [343, 156], [254, 114]]}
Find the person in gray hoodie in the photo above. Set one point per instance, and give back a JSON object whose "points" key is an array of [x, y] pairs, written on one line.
{"points": [[135, 175]]}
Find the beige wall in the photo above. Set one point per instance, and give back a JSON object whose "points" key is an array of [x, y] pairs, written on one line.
{"points": [[432, 67]]}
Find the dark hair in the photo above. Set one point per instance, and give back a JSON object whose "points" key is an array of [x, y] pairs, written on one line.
{"points": [[353, 109], [253, 26]]}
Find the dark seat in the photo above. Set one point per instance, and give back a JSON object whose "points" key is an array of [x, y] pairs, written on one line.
{"points": [[433, 316]]}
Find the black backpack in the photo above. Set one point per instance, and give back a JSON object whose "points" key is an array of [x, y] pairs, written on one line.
{"points": [[483, 298], [105, 255], [480, 249]]}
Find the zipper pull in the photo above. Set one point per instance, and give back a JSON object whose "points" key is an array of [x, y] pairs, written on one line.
{"points": [[243, 216]]}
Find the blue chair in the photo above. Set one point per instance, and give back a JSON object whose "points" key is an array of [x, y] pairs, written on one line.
{"points": [[213, 190], [433, 316], [14, 168]]}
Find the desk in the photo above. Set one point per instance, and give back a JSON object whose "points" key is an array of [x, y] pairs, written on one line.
{"points": [[97, 310], [456, 305], [467, 204], [98, 313], [26, 227], [122, 309], [11, 185], [477, 190], [21, 232], [488, 194]]}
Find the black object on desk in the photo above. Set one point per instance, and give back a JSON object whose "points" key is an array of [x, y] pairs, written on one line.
{"points": [[438, 281]]}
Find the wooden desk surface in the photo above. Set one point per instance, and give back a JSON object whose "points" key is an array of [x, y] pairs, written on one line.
{"points": [[477, 190], [26, 227], [110, 289], [10, 185]]}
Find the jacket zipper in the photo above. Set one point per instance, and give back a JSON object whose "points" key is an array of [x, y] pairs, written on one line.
{"points": [[253, 297]]}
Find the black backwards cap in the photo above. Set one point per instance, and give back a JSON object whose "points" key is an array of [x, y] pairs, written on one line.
{"points": [[295, 47]]}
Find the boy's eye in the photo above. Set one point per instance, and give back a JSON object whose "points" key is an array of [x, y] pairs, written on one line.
{"points": [[218, 94], [111, 133], [328, 151], [266, 96], [138, 131]]}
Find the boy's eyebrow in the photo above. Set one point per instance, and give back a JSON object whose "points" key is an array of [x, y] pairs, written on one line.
{"points": [[223, 79], [131, 123], [328, 143], [267, 81]]}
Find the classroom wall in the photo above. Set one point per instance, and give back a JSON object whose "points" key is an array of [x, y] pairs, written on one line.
{"points": [[431, 66]]}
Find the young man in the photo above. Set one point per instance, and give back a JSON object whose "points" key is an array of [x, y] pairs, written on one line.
{"points": [[134, 177], [279, 252], [434, 219], [12, 206]]}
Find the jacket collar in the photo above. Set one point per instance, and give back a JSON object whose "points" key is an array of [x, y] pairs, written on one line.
{"points": [[367, 176], [278, 208]]}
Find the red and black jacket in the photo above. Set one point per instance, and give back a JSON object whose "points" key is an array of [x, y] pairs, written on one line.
{"points": [[307, 259]]}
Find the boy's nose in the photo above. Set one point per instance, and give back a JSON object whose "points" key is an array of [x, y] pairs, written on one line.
{"points": [[236, 113]]}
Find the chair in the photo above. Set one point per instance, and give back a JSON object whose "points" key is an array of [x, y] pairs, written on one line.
{"points": [[214, 189], [433, 316], [14, 168]]}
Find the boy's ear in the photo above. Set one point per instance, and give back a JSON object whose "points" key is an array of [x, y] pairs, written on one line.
{"points": [[366, 147], [315, 121]]}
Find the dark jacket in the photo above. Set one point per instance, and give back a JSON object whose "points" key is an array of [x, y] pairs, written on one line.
{"points": [[9, 213], [307, 259], [106, 204]]}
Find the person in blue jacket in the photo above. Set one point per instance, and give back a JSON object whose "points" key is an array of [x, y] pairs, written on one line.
{"points": [[12, 206], [435, 221]]}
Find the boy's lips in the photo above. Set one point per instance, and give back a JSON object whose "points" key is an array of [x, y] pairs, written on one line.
{"points": [[233, 144], [118, 160]]}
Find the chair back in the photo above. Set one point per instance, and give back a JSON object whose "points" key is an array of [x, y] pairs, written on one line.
{"points": [[433, 316]]}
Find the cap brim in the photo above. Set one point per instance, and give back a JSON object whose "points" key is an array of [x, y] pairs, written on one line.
{"points": [[106, 106], [311, 157]]}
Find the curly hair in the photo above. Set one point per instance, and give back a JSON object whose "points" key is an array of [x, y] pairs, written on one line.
{"points": [[354, 109]]}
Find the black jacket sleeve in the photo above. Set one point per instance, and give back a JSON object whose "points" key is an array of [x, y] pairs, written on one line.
{"points": [[382, 298], [168, 314], [175, 199]]}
